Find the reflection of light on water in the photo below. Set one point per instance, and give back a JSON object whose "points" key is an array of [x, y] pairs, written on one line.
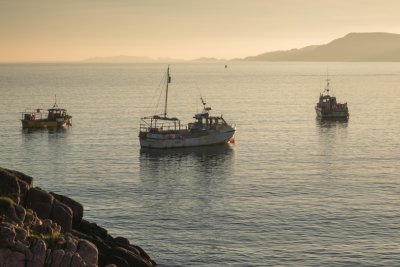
{"points": [[330, 130], [185, 185], [332, 134], [286, 176], [47, 149]]}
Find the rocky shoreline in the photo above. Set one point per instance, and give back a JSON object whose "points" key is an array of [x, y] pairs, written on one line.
{"points": [[38, 228]]}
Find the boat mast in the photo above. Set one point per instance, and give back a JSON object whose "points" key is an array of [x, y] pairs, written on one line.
{"points": [[166, 93]]}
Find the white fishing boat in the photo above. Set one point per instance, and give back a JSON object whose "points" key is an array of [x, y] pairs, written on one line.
{"points": [[161, 131]]}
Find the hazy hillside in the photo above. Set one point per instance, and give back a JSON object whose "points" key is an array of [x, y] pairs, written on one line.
{"points": [[208, 59], [352, 47]]}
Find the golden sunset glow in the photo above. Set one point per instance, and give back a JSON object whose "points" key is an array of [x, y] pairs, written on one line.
{"points": [[46, 30]]}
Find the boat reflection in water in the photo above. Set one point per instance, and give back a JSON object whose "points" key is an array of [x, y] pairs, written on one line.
{"points": [[333, 122], [59, 130], [208, 162], [214, 152], [40, 138]]}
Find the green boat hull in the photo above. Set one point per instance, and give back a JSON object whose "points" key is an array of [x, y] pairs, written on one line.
{"points": [[40, 124]]}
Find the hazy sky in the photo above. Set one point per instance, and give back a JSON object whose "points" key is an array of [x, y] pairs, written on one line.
{"points": [[42, 30]]}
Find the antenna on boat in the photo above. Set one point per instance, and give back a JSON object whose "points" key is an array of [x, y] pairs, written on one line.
{"points": [[327, 82], [205, 109], [204, 103], [55, 101], [166, 93]]}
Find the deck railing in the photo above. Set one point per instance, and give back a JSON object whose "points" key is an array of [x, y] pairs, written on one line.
{"points": [[166, 126]]}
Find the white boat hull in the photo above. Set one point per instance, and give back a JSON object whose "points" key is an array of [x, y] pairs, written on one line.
{"points": [[212, 138]]}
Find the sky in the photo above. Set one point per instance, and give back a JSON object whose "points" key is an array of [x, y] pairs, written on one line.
{"points": [[73, 30]]}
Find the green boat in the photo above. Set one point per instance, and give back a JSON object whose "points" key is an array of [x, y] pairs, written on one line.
{"points": [[54, 117]]}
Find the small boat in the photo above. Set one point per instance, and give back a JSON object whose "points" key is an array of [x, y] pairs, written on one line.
{"points": [[161, 131], [328, 108], [52, 118]]}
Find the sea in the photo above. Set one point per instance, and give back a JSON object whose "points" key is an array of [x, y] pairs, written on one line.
{"points": [[290, 191]]}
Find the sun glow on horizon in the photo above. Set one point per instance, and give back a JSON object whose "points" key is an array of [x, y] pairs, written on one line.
{"points": [[46, 30]]}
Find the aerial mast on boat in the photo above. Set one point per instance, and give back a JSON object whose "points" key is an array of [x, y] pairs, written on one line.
{"points": [[327, 85], [55, 101], [166, 93], [327, 88]]}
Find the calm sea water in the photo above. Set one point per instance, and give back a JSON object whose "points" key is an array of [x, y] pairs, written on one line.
{"points": [[291, 191]]}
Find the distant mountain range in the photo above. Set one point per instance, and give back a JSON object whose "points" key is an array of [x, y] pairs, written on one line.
{"points": [[208, 59], [354, 47], [135, 59]]}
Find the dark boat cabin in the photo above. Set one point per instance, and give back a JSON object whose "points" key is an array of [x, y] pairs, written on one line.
{"points": [[55, 113], [206, 122], [326, 101]]}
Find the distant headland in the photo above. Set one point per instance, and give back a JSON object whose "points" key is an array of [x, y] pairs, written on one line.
{"points": [[353, 47]]}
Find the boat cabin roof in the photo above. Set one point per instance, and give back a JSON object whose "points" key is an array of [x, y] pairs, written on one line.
{"points": [[56, 109], [205, 116], [326, 96], [327, 99], [201, 115], [40, 110]]}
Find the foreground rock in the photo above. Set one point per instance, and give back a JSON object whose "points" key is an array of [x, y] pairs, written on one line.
{"points": [[38, 228]]}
